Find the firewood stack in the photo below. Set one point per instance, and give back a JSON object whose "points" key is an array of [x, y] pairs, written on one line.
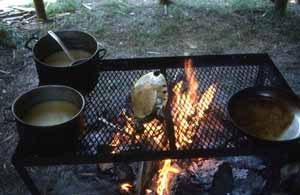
{"points": [[17, 15]]}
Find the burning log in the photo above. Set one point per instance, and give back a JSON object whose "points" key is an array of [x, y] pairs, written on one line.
{"points": [[165, 176], [127, 137], [147, 170]]}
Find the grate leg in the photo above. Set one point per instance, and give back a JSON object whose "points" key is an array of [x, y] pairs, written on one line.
{"points": [[26, 178]]}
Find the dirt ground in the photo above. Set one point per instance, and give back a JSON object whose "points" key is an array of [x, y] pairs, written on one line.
{"points": [[133, 28]]}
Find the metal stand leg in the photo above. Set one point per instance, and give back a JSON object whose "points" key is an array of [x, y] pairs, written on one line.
{"points": [[26, 178]]}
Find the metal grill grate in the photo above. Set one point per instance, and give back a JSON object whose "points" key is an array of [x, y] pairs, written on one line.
{"points": [[107, 116], [107, 136]]}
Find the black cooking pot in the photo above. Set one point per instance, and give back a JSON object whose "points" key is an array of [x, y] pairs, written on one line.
{"points": [[55, 138], [83, 75]]}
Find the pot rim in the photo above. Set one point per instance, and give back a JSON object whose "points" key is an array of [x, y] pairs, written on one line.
{"points": [[76, 64], [41, 87]]}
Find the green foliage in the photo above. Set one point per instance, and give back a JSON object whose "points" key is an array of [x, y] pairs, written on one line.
{"points": [[250, 5], [62, 6], [226, 5]]}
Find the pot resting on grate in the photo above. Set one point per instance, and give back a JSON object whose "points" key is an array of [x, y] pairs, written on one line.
{"points": [[111, 128]]}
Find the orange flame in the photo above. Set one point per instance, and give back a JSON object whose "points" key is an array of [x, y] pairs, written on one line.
{"points": [[153, 132], [189, 107], [166, 173], [126, 187]]}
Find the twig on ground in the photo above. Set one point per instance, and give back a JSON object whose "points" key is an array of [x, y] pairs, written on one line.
{"points": [[87, 6], [4, 72], [12, 18], [29, 19], [27, 9], [153, 52], [63, 14], [101, 44], [7, 138], [13, 15]]}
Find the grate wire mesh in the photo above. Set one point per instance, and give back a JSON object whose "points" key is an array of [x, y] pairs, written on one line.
{"points": [[110, 131], [110, 128]]}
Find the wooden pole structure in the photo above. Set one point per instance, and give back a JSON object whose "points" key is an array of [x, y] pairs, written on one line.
{"points": [[280, 6], [40, 10]]}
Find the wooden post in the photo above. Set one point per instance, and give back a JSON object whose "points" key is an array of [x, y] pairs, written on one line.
{"points": [[280, 6], [40, 10]]}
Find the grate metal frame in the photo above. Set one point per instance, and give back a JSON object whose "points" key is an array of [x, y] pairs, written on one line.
{"points": [[220, 137]]}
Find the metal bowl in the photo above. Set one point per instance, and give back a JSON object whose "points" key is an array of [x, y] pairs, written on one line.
{"points": [[266, 113]]}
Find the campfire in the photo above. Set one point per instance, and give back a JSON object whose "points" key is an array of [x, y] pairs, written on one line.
{"points": [[188, 109], [192, 122], [198, 122]]}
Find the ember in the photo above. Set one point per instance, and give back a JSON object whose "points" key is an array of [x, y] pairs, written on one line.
{"points": [[148, 191], [126, 187]]}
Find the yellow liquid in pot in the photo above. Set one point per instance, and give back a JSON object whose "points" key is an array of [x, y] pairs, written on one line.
{"points": [[50, 113], [59, 59]]}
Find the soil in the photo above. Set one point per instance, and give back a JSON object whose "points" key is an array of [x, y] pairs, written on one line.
{"points": [[129, 29]]}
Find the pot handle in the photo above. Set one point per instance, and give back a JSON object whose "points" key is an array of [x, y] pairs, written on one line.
{"points": [[6, 111], [33, 37], [103, 51]]}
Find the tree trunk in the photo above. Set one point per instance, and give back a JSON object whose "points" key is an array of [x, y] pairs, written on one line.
{"points": [[164, 2], [40, 10], [280, 6]]}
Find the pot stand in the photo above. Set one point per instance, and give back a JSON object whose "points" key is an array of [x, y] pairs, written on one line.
{"points": [[214, 135]]}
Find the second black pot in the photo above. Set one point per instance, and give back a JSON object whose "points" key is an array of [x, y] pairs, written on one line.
{"points": [[82, 76]]}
